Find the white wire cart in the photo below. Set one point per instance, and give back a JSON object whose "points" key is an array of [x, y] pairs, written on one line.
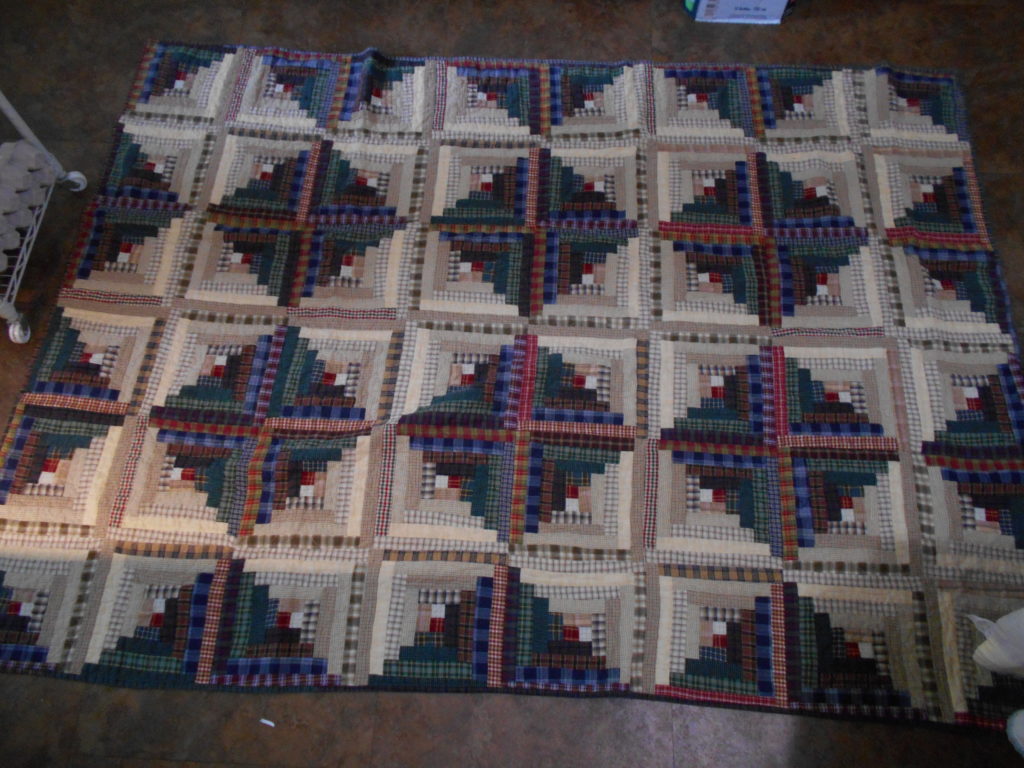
{"points": [[28, 174]]}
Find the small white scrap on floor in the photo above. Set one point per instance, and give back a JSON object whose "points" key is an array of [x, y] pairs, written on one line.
{"points": [[267, 722]]}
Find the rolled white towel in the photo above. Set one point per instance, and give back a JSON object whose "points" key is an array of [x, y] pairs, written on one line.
{"points": [[10, 238], [33, 197], [15, 177], [44, 176], [28, 155], [9, 241], [20, 219], [9, 200]]}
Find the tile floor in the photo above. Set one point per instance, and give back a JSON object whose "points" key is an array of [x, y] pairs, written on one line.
{"points": [[67, 65]]}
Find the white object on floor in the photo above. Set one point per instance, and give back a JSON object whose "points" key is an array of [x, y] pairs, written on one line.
{"points": [[1015, 730], [1003, 648]]}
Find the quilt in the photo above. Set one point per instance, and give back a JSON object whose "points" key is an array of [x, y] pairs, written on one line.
{"points": [[686, 381]]}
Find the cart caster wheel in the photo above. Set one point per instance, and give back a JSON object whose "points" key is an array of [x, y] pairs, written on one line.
{"points": [[75, 181], [19, 331]]}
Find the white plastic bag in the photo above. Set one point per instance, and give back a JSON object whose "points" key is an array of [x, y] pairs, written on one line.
{"points": [[1003, 648]]}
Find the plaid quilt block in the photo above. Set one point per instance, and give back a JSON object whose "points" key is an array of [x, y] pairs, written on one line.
{"points": [[977, 517], [39, 597], [580, 493], [702, 101], [703, 391], [59, 464], [448, 492], [150, 163], [129, 251], [176, 80], [719, 641], [926, 199], [593, 99], [385, 95], [804, 102], [950, 289], [718, 507], [284, 90], [434, 628], [914, 105]]}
